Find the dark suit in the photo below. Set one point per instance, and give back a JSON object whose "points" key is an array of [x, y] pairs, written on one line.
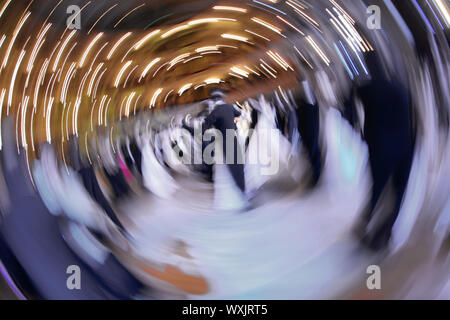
{"points": [[93, 188], [389, 134], [222, 118], [309, 129]]}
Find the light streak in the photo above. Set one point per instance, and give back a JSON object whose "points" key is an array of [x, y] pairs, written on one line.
{"points": [[111, 52], [119, 75], [230, 8], [88, 49]]}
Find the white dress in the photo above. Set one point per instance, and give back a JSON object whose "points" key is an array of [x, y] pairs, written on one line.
{"points": [[268, 150], [227, 195], [155, 176]]}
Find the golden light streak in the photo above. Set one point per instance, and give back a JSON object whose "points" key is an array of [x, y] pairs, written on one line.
{"points": [[291, 25], [54, 81], [126, 15], [184, 88], [47, 121], [268, 66], [4, 7], [303, 57], [267, 70], [258, 35], [111, 52], [17, 129], [128, 77], [67, 120], [31, 130], [46, 19], [138, 45], [135, 105], [88, 49], [66, 82], [39, 82], [240, 71], [318, 50], [96, 55], [46, 95], [251, 70], [235, 75], [62, 122], [353, 35], [13, 79], [94, 75], [267, 25], [206, 48], [119, 75], [98, 82], [205, 20], [148, 67], [211, 52], [65, 60], [343, 11], [167, 95], [126, 54], [226, 46], [278, 59], [100, 110], [234, 37], [213, 80], [86, 146], [39, 42], [229, 8], [178, 58], [106, 111], [193, 58], [23, 122], [300, 12], [174, 30], [13, 39], [76, 108], [58, 56], [92, 115], [121, 107], [160, 67], [111, 140], [154, 97], [101, 18], [199, 86]]}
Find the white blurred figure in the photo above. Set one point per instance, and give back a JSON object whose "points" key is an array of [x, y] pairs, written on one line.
{"points": [[47, 179], [155, 176], [268, 149], [62, 191], [227, 196]]}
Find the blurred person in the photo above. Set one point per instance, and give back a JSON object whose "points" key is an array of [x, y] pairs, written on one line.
{"points": [[389, 135], [92, 186], [201, 166], [33, 234], [309, 128], [155, 176], [222, 118], [111, 166], [268, 149]]}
